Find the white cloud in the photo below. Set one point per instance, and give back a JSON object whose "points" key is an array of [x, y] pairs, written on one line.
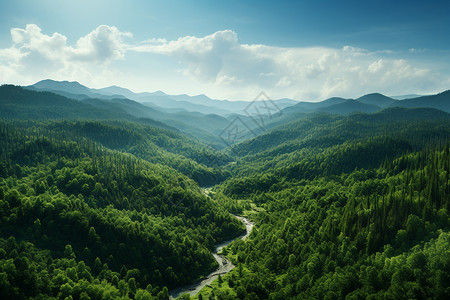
{"points": [[154, 41], [375, 66], [354, 50], [284, 82], [227, 80], [11, 55], [49, 56], [104, 44], [205, 56], [217, 64], [414, 50], [295, 72], [31, 39]]}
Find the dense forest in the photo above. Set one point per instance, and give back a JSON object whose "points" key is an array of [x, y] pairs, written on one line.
{"points": [[353, 207], [99, 204], [78, 217]]}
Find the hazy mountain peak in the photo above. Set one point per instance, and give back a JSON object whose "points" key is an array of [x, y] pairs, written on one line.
{"points": [[51, 81], [446, 93], [63, 82], [67, 86], [114, 89], [335, 100], [159, 93], [373, 96], [408, 96], [377, 99]]}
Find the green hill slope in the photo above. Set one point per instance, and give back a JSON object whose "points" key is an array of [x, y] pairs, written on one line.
{"points": [[93, 213]]}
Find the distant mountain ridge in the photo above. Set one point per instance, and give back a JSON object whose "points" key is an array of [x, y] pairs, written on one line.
{"points": [[160, 101], [439, 101], [199, 103], [70, 89], [315, 126], [370, 103], [206, 119], [33, 103], [20, 103], [403, 97], [376, 99], [204, 104]]}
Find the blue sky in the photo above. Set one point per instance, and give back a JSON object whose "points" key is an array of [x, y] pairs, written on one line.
{"points": [[307, 50]]}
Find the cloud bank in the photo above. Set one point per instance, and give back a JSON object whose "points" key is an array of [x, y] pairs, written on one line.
{"points": [[218, 64], [34, 55]]}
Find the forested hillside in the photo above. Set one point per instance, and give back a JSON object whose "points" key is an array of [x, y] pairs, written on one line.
{"points": [[367, 234], [79, 219], [99, 202], [352, 207], [154, 144], [116, 129]]}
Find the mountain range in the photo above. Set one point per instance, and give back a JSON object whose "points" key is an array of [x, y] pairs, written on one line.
{"points": [[197, 116], [105, 193], [201, 103], [198, 103]]}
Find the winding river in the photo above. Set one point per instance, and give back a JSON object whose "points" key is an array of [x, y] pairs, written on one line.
{"points": [[225, 265]]}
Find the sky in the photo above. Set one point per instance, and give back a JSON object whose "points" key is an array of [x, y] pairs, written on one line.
{"points": [[303, 50]]}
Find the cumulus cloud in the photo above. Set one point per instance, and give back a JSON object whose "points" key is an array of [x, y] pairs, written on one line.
{"points": [[219, 64], [309, 72], [205, 56], [104, 44], [31, 39], [51, 56]]}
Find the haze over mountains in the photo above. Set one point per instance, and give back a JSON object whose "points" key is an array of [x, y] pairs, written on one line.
{"points": [[200, 117], [203, 104], [207, 119], [198, 103], [333, 187]]}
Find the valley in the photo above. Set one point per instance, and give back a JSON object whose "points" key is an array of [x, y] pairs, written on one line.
{"points": [[224, 150], [106, 197], [225, 265]]}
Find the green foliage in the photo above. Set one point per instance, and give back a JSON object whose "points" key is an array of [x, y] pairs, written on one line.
{"points": [[97, 221], [349, 207], [19, 103], [376, 232]]}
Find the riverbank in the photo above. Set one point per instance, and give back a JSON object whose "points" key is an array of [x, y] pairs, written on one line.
{"points": [[225, 265]]}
